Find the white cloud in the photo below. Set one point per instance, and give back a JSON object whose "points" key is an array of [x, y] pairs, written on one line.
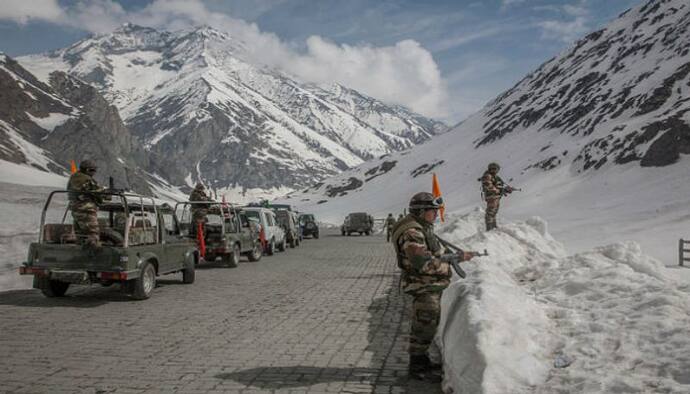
{"points": [[567, 30], [22, 11], [404, 73]]}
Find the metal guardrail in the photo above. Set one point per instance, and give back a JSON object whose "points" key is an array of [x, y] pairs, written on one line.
{"points": [[682, 251]]}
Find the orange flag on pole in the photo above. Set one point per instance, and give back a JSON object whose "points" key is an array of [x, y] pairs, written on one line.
{"points": [[436, 191], [73, 166]]}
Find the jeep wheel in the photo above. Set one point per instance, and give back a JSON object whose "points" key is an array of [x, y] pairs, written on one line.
{"points": [[188, 274], [54, 288], [283, 245], [255, 254], [232, 259], [293, 243], [142, 287], [316, 235], [271, 248], [368, 233]]}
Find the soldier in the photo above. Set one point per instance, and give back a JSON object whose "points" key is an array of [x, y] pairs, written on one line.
{"points": [[84, 205], [424, 276], [390, 222], [493, 188], [199, 211], [400, 217]]}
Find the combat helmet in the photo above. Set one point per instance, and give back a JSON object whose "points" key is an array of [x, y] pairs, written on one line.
{"points": [[424, 200], [87, 164], [494, 166]]}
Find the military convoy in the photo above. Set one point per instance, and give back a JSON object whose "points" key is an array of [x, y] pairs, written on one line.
{"points": [[142, 239]]}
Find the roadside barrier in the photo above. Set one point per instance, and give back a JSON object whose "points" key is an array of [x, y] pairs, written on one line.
{"points": [[682, 251]]}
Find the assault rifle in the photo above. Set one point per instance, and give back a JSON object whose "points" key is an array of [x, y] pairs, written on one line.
{"points": [[507, 189], [455, 258]]}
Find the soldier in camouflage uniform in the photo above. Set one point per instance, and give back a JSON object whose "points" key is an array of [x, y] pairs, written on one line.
{"points": [[84, 206], [493, 188], [199, 211], [390, 222], [424, 277]]}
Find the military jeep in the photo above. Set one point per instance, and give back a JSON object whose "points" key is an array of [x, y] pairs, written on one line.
{"points": [[140, 240], [288, 221], [226, 233], [357, 222]]}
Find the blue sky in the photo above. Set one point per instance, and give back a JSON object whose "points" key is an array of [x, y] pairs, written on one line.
{"points": [[468, 51]]}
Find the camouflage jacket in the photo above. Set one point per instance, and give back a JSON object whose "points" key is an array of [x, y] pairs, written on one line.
{"points": [[199, 195], [82, 182], [492, 185], [416, 246], [390, 222]]}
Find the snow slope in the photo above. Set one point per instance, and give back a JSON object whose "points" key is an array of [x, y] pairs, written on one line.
{"points": [[532, 319], [598, 138]]}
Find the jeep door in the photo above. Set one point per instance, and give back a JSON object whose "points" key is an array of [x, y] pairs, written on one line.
{"points": [[174, 244]]}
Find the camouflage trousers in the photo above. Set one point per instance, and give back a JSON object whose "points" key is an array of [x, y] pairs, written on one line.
{"points": [[389, 233], [492, 205], [426, 313], [86, 223]]}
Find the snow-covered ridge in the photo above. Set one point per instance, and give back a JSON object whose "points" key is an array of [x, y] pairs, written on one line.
{"points": [[195, 95], [531, 318], [577, 184]]}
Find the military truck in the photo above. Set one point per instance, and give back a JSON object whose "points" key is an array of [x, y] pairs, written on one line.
{"points": [[357, 222], [226, 232], [309, 226], [140, 240], [287, 221]]}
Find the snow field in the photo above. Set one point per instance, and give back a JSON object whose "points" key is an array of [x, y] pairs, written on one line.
{"points": [[612, 313]]}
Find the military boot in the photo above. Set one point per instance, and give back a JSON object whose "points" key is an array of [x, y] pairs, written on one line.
{"points": [[422, 369]]}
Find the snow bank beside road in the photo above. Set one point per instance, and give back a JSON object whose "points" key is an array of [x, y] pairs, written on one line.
{"points": [[612, 312]]}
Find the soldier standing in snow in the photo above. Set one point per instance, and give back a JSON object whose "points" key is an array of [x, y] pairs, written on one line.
{"points": [[390, 222], [424, 276], [84, 205], [199, 211], [493, 188]]}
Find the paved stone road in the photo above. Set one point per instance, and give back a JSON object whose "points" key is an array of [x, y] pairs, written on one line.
{"points": [[325, 317]]}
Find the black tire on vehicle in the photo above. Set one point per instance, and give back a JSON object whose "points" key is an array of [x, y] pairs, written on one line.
{"points": [[188, 274], [142, 287], [360, 233], [271, 247], [232, 259], [316, 235], [342, 232], [293, 242], [53, 288], [256, 253], [283, 245], [367, 233]]}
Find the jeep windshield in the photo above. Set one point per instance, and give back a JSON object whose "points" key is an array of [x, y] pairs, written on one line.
{"points": [[309, 218]]}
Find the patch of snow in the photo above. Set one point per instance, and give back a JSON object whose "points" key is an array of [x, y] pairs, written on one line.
{"points": [[613, 313], [50, 122]]}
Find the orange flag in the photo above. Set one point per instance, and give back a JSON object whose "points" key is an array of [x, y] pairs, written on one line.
{"points": [[200, 239], [73, 166], [436, 191]]}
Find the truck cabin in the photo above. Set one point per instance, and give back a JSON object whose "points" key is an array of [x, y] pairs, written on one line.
{"points": [[123, 220]]}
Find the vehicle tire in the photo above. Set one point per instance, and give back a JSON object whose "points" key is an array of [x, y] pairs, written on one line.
{"points": [[283, 245], [316, 235], [188, 274], [368, 233], [54, 288], [271, 248], [142, 287], [360, 233], [256, 253], [293, 243], [232, 259]]}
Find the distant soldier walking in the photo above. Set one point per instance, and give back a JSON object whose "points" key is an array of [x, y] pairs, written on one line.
{"points": [[424, 276], [84, 199], [199, 211], [390, 222], [493, 188]]}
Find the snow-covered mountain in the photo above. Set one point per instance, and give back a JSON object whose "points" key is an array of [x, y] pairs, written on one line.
{"points": [[597, 137], [195, 99], [45, 125]]}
